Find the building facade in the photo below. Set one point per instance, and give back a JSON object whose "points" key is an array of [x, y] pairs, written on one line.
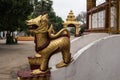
{"points": [[103, 15]]}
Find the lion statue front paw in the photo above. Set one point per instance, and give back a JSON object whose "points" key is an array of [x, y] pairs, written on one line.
{"points": [[37, 71], [37, 55], [61, 64]]}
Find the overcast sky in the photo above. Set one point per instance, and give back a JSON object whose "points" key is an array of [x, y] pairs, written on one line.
{"points": [[63, 7]]}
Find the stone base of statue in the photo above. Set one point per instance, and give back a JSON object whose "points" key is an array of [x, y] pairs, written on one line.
{"points": [[26, 75]]}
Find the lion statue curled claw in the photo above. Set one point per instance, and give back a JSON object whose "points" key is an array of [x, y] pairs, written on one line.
{"points": [[48, 43]]}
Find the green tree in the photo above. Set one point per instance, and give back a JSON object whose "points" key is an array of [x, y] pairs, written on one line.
{"points": [[56, 21], [45, 6], [41, 7], [72, 30], [13, 14], [83, 28]]}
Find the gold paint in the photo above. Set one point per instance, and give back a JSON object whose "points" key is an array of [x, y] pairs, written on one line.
{"points": [[37, 55], [72, 20], [51, 29], [34, 79], [43, 34], [18, 78]]}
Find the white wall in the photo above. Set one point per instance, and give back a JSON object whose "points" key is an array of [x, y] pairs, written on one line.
{"points": [[97, 61]]}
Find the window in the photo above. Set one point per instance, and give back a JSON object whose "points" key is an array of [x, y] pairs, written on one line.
{"points": [[98, 19], [98, 2]]}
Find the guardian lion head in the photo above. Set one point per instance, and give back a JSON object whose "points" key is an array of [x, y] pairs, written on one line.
{"points": [[38, 24]]}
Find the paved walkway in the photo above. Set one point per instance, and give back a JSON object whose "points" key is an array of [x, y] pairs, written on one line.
{"points": [[14, 57], [77, 44]]}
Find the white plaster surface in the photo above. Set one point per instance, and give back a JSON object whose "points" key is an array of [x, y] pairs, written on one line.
{"points": [[97, 61]]}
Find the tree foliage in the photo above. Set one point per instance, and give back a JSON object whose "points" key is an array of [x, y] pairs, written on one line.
{"points": [[81, 17], [41, 7], [72, 30], [13, 14], [45, 6], [56, 21]]}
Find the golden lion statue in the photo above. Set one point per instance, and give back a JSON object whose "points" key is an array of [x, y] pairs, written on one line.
{"points": [[47, 43]]}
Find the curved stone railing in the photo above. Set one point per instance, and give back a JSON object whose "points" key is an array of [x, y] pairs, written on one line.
{"points": [[97, 61]]}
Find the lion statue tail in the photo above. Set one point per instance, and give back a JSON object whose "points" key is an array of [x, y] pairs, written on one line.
{"points": [[62, 32]]}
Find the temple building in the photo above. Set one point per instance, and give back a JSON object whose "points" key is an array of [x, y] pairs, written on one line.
{"points": [[103, 15]]}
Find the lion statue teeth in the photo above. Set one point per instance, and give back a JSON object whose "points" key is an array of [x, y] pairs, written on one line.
{"points": [[48, 43]]}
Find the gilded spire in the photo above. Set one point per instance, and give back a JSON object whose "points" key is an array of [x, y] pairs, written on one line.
{"points": [[71, 16]]}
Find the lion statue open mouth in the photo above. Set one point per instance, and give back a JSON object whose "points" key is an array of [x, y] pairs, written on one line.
{"points": [[47, 43]]}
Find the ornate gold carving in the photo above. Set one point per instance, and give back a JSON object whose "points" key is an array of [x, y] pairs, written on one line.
{"points": [[47, 43], [71, 16], [72, 20]]}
